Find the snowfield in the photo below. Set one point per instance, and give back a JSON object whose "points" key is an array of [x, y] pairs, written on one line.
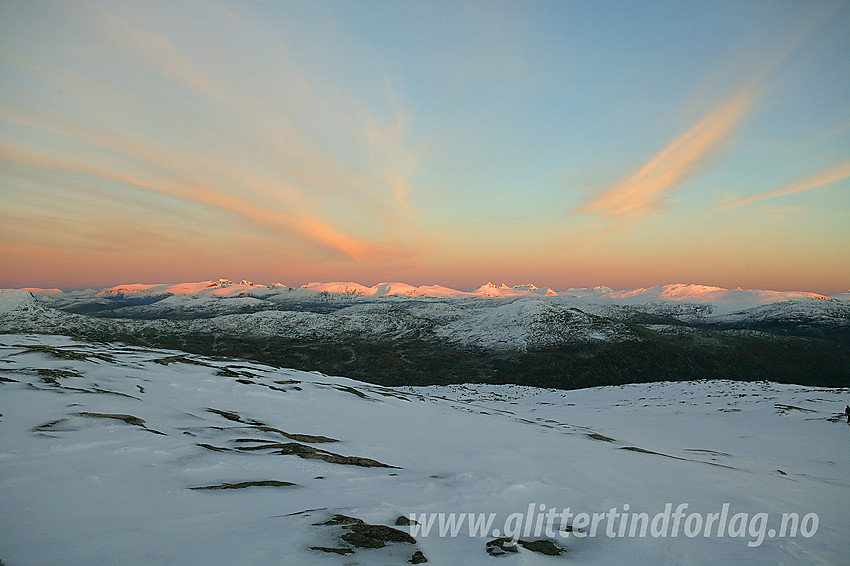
{"points": [[111, 454], [490, 318]]}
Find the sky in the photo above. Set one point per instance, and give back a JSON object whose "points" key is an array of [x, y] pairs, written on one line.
{"points": [[568, 144]]}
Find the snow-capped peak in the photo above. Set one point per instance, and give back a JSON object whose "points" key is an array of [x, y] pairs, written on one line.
{"points": [[722, 300]]}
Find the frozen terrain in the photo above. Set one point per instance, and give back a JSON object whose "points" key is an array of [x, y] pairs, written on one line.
{"points": [[399, 334], [104, 448], [715, 301]]}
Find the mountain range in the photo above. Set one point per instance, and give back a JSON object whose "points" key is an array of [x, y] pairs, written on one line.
{"points": [[400, 334]]}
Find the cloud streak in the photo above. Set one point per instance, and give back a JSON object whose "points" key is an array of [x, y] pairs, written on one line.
{"points": [[256, 137], [822, 178], [308, 228], [646, 190]]}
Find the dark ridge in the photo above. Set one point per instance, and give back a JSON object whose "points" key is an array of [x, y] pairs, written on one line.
{"points": [[244, 484]]}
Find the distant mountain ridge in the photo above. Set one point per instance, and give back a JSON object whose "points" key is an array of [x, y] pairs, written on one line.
{"points": [[725, 300], [399, 334]]}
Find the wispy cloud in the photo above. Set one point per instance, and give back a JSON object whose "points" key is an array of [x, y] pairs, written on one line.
{"points": [[822, 178], [649, 189], [308, 228], [394, 161], [256, 137], [645, 191]]}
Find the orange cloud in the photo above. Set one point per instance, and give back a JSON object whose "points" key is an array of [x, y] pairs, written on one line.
{"points": [[674, 165], [294, 182], [820, 179], [295, 223], [272, 117]]}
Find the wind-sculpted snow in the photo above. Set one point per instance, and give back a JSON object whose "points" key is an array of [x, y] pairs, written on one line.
{"points": [[124, 455]]}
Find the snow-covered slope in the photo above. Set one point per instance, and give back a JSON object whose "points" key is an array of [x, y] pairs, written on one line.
{"points": [[525, 324], [723, 301], [222, 288], [845, 296], [123, 455], [17, 301]]}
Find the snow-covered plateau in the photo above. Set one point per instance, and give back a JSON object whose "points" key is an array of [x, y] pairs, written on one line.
{"points": [[113, 454]]}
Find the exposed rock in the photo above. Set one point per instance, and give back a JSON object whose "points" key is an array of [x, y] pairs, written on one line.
{"points": [[308, 438], [501, 546], [229, 415], [180, 359], [213, 448], [340, 551], [311, 453], [374, 536], [543, 547], [504, 545], [342, 520], [129, 419], [244, 484]]}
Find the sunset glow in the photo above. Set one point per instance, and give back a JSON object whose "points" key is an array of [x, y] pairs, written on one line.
{"points": [[567, 143]]}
